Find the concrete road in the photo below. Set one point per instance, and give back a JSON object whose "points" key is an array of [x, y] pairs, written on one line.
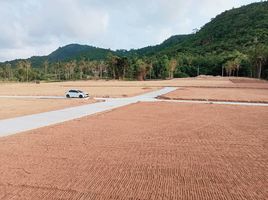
{"points": [[29, 122]]}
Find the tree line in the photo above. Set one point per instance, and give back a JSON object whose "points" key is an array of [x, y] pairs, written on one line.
{"points": [[234, 43], [252, 64]]}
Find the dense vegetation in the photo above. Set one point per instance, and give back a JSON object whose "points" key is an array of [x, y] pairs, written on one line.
{"points": [[234, 43]]}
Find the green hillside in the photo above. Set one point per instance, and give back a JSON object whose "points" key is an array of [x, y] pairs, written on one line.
{"points": [[234, 42], [71, 52], [75, 51], [233, 29]]}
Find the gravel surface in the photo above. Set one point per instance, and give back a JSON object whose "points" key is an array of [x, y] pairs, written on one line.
{"points": [[142, 151]]}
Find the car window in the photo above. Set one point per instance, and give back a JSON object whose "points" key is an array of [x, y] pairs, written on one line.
{"points": [[79, 91], [73, 91]]}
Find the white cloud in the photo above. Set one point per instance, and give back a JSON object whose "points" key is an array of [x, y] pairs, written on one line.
{"points": [[37, 27]]}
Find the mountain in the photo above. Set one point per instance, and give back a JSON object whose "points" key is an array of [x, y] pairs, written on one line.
{"points": [[71, 52], [150, 50], [74, 51], [237, 29]]}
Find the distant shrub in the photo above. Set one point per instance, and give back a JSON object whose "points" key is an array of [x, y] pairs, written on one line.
{"points": [[180, 75]]}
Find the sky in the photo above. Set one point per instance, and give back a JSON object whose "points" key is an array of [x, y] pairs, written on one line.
{"points": [[38, 27]]}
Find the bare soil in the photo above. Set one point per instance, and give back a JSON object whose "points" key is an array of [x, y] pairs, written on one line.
{"points": [[94, 88], [220, 94], [247, 80], [249, 83], [142, 151], [10, 107], [113, 88]]}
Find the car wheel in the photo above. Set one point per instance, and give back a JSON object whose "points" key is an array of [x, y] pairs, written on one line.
{"points": [[68, 96], [80, 96]]}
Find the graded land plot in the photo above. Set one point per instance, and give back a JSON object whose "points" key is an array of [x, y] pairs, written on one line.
{"points": [[249, 83], [102, 88], [114, 88], [11, 107], [143, 151], [220, 94], [94, 88]]}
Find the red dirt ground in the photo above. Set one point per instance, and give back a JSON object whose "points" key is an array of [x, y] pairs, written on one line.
{"points": [[249, 83], [142, 151], [12, 107], [220, 94]]}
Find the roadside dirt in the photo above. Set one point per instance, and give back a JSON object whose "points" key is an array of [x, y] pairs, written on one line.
{"points": [[94, 88], [18, 107], [219, 94], [143, 151], [113, 88]]}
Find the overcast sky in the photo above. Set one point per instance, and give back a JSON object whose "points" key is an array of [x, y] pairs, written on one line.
{"points": [[38, 27]]}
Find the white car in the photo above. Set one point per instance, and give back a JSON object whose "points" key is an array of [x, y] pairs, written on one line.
{"points": [[76, 94]]}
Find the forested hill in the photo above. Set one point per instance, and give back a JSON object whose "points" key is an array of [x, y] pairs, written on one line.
{"points": [[233, 29], [74, 51], [236, 39]]}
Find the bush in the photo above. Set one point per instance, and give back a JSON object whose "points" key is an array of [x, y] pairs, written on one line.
{"points": [[180, 75]]}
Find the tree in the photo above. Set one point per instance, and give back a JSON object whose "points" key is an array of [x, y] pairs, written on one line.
{"points": [[58, 69], [24, 70], [164, 62], [9, 70], [46, 64], [122, 66], [258, 57], [27, 65], [141, 69], [112, 63], [171, 67], [230, 67], [117, 66], [82, 65], [102, 69], [6, 71]]}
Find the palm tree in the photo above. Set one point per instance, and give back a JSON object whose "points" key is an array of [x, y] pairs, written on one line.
{"points": [[258, 57], [27, 65], [82, 65], [46, 64], [171, 67]]}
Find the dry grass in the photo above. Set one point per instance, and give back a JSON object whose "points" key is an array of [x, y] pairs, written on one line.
{"points": [[142, 151]]}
